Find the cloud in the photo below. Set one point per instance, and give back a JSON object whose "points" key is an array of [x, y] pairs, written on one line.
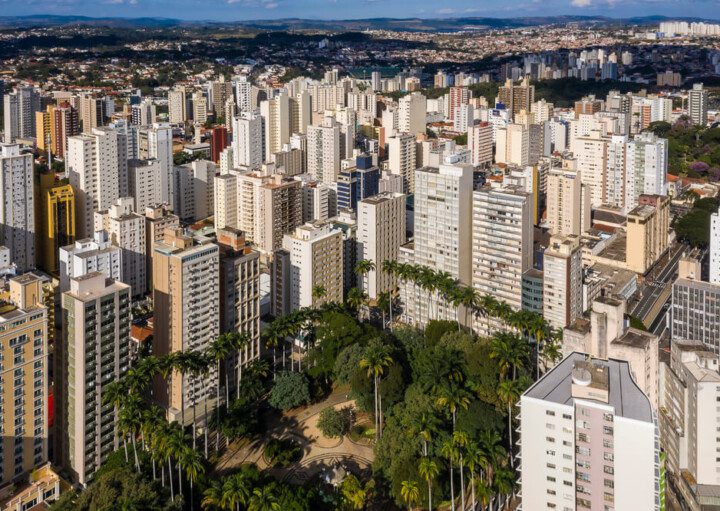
{"points": [[581, 3]]}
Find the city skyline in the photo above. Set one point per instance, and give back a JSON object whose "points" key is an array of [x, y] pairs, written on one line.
{"points": [[245, 10]]}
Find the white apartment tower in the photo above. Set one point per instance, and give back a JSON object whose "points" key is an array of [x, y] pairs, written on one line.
{"points": [[380, 233], [502, 242], [480, 144], [90, 255], [646, 167], [93, 168], [589, 439], [402, 158], [698, 104], [127, 231], [248, 140], [17, 212], [568, 202], [442, 237], [323, 151], [412, 113]]}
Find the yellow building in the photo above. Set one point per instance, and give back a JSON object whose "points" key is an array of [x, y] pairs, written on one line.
{"points": [[45, 128], [43, 488], [56, 221], [647, 232], [23, 379]]}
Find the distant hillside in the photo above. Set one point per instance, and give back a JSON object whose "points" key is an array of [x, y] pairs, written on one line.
{"points": [[405, 24]]}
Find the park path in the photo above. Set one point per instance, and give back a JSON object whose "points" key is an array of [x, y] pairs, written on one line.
{"points": [[319, 452]]}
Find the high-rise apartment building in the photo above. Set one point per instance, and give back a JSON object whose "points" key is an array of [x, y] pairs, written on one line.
{"points": [[315, 259], [588, 439], [194, 190], [17, 208], [186, 295], [412, 113], [24, 379], [276, 114], [517, 97], [323, 151], [688, 419], [56, 223], [239, 294], [562, 281], [714, 252], [380, 233], [177, 106], [157, 220], [92, 112], [90, 255], [568, 202], [127, 231], [698, 104], [155, 143], [248, 140], [647, 232], [480, 144], [591, 155], [95, 353], [402, 159], [442, 237], [19, 113], [512, 145], [93, 166], [646, 167], [457, 96], [502, 243]]}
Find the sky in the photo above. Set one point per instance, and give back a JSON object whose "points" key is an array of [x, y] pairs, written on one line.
{"points": [[229, 10]]}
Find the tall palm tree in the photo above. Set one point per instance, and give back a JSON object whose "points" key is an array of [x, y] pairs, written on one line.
{"points": [[453, 396], [375, 359], [218, 351], [509, 392], [391, 268], [239, 342], [151, 420], [236, 491], [272, 337], [427, 426], [410, 492], [383, 302], [449, 450], [510, 352], [362, 268], [263, 499], [460, 439], [130, 421], [474, 458], [191, 461], [115, 393], [428, 470]]}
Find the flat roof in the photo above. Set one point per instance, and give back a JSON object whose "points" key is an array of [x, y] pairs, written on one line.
{"points": [[624, 395]]}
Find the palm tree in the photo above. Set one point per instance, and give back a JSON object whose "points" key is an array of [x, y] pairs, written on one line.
{"points": [[239, 342], [509, 392], [214, 497], [218, 350], [429, 470], [273, 337], [151, 420], [115, 393], [355, 300], [449, 450], [129, 422], [452, 397], [410, 493], [468, 298], [191, 461], [263, 499], [318, 292], [474, 458], [460, 439], [551, 352], [375, 360], [391, 268], [428, 426], [383, 302], [236, 491], [362, 268], [509, 351]]}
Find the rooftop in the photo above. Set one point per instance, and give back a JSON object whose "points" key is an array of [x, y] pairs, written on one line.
{"points": [[623, 393]]}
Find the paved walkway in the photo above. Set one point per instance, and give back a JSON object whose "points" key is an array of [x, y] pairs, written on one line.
{"points": [[319, 452]]}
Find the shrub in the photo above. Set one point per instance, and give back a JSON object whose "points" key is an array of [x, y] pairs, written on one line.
{"points": [[332, 423], [290, 390], [281, 453]]}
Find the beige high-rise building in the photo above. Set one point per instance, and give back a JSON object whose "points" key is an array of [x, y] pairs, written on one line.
{"points": [[239, 294], [512, 145], [562, 281], [177, 106], [480, 144], [591, 155], [380, 233], [95, 349], [412, 111], [24, 380], [276, 112], [502, 243], [316, 260], [517, 97], [402, 159], [647, 232], [689, 417], [568, 202], [186, 295], [92, 112], [157, 220]]}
